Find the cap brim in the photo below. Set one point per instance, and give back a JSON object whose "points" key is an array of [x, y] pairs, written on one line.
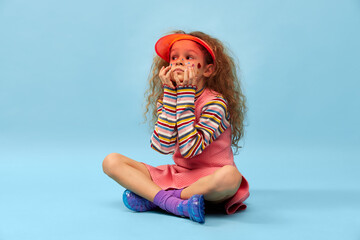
{"points": [[163, 45]]}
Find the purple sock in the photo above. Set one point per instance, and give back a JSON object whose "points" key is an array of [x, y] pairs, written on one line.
{"points": [[176, 192], [166, 201]]}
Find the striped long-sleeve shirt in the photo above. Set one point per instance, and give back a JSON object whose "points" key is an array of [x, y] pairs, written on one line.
{"points": [[192, 137]]}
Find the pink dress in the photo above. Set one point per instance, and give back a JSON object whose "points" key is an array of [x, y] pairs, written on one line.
{"points": [[194, 127]]}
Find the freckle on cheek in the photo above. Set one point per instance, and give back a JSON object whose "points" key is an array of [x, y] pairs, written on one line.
{"points": [[199, 65]]}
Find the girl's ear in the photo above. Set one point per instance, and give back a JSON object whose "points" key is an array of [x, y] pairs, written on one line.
{"points": [[209, 69]]}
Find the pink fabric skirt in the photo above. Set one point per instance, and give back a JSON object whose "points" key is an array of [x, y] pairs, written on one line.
{"points": [[176, 177]]}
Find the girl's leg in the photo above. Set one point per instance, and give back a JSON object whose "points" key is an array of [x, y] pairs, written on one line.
{"points": [[135, 177], [130, 174], [217, 187]]}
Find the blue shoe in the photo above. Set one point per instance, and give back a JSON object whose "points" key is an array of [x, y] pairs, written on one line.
{"points": [[195, 208], [136, 203]]}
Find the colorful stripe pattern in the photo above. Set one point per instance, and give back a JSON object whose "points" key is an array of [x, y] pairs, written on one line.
{"points": [[176, 121], [163, 139]]}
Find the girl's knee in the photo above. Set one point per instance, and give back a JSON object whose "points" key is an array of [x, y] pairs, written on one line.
{"points": [[228, 178], [111, 162]]}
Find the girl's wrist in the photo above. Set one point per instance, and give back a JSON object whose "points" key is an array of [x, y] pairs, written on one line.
{"points": [[190, 86], [168, 86]]}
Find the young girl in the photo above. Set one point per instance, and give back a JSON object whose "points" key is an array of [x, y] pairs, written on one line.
{"points": [[199, 109]]}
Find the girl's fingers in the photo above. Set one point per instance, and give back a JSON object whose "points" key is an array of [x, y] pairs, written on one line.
{"points": [[186, 76], [170, 83], [177, 79], [164, 69], [167, 78], [191, 75], [164, 74], [195, 76], [168, 75], [194, 71], [167, 69]]}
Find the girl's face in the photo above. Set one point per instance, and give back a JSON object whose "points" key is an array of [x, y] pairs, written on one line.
{"points": [[186, 53]]}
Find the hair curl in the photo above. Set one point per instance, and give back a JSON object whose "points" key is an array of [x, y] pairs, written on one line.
{"points": [[223, 80]]}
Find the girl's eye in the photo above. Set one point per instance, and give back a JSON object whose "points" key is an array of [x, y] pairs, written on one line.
{"points": [[187, 58]]}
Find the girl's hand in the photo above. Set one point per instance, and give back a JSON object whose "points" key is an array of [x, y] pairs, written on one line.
{"points": [[164, 76], [190, 77]]}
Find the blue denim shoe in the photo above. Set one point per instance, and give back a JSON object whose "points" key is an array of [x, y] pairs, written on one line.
{"points": [[136, 203]]}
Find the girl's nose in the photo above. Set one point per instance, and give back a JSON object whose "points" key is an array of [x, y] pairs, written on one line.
{"points": [[180, 62]]}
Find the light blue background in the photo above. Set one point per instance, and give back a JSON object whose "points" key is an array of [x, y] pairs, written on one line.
{"points": [[72, 82]]}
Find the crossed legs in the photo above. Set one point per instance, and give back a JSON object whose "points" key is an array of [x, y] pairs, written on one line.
{"points": [[133, 175]]}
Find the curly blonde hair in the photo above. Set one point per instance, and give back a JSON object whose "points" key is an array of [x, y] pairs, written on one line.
{"points": [[223, 80]]}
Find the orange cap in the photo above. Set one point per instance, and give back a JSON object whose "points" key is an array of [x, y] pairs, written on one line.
{"points": [[164, 44]]}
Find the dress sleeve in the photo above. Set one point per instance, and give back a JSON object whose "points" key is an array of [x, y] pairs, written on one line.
{"points": [[164, 136], [214, 120]]}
